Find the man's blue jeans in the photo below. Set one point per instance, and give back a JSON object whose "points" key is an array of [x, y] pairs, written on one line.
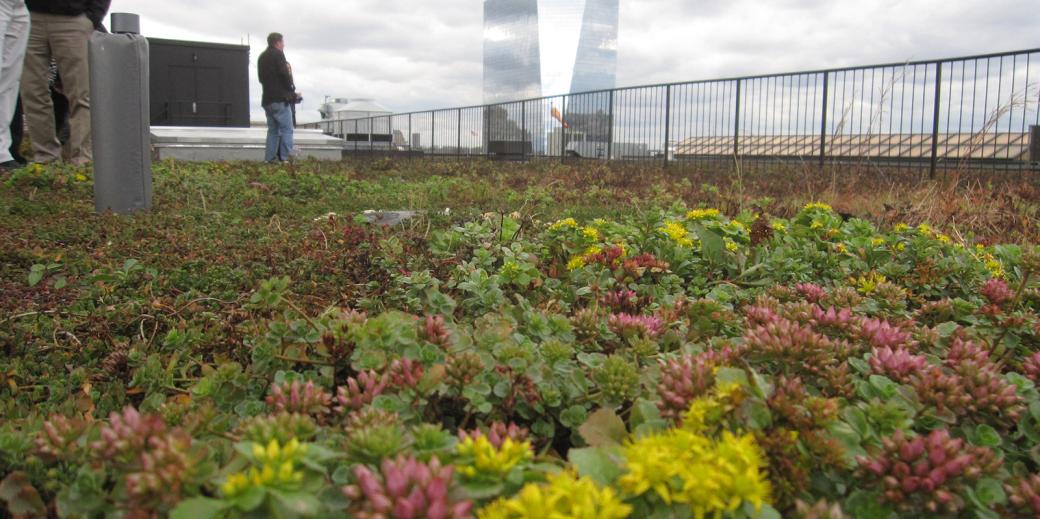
{"points": [[279, 131]]}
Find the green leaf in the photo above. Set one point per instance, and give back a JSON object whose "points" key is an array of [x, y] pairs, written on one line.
{"points": [[595, 463], [644, 411], [866, 505], [726, 376], [295, 504], [884, 385], [603, 428], [60, 282], [859, 365], [198, 508], [857, 419], [21, 496], [946, 329], [711, 244], [987, 436], [35, 276], [758, 415], [573, 416], [990, 492]]}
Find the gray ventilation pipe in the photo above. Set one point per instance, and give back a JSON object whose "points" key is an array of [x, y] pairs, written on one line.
{"points": [[119, 117]]}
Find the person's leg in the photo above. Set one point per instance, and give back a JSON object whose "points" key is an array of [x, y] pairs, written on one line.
{"points": [[36, 95], [271, 149], [285, 131], [69, 40], [15, 38], [17, 129]]}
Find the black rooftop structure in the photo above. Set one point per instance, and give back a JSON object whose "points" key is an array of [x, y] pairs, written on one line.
{"points": [[198, 83]]}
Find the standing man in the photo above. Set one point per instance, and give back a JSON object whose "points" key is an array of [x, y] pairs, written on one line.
{"points": [[278, 98], [14, 29], [60, 30]]}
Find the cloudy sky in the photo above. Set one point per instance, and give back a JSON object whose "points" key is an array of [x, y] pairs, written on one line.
{"points": [[421, 54]]}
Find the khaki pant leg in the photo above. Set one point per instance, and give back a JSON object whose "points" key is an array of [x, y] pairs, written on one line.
{"points": [[36, 94], [69, 37]]}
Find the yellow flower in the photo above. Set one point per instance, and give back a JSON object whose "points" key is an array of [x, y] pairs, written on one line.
{"points": [[816, 224], [877, 241], [901, 247], [560, 224], [731, 245], [80, 177], [943, 238], [924, 228], [738, 226], [275, 468], [480, 457], [709, 476], [599, 222], [841, 248], [778, 226], [576, 263], [818, 205], [677, 233], [832, 233], [901, 227], [590, 233], [995, 268], [867, 284], [563, 495], [702, 214]]}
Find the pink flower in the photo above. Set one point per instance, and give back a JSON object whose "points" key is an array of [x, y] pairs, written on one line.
{"points": [[360, 391], [811, 292], [625, 325], [996, 291], [297, 397], [881, 334], [405, 488], [896, 364]]}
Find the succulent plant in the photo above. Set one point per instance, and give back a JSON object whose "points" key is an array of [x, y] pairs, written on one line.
{"points": [[926, 474], [821, 509], [812, 292], [1024, 496], [685, 378], [359, 391], [882, 334], [58, 437], [435, 331], [898, 364], [618, 379], [299, 397], [127, 434], [497, 433], [996, 291], [405, 488], [632, 326], [280, 427]]}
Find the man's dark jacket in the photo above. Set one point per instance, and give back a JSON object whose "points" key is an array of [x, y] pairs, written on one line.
{"points": [[94, 9], [274, 76]]}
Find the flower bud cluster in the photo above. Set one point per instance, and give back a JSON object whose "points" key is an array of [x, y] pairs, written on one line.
{"points": [[405, 488]]}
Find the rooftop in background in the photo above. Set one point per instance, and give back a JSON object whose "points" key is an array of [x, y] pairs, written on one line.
{"points": [[356, 108]]}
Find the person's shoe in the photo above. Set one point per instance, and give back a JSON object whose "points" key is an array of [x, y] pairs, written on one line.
{"points": [[11, 165]]}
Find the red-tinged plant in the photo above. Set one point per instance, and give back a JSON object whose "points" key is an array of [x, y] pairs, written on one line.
{"points": [[1024, 496], [497, 433], [882, 334], [405, 488], [897, 364], [991, 395], [935, 312], [461, 369], [926, 474], [839, 320], [793, 406], [1031, 367], [126, 434], [788, 347], [586, 324], [942, 390], [609, 257], [843, 297], [812, 292], [630, 326], [435, 331], [997, 292], [819, 510], [759, 315], [162, 473], [300, 397], [58, 437], [624, 300], [359, 391], [798, 311], [405, 373], [685, 378]]}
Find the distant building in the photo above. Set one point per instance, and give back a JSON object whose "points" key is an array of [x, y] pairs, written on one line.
{"points": [[535, 48], [356, 108]]}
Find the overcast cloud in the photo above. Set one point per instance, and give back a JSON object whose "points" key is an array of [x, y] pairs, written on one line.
{"points": [[415, 55]]}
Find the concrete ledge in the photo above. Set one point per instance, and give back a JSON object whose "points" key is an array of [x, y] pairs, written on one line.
{"points": [[226, 144]]}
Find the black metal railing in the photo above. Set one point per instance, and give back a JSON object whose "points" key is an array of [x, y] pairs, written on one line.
{"points": [[933, 114]]}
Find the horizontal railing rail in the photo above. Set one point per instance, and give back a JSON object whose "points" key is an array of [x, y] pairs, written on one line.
{"points": [[938, 114]]}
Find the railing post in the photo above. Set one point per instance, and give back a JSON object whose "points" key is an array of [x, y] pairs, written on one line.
{"points": [[823, 120], [370, 125], [563, 129], [458, 146], [355, 136], [1034, 145], [523, 131], [736, 124], [935, 121], [667, 120], [410, 135], [610, 127], [390, 130], [433, 132]]}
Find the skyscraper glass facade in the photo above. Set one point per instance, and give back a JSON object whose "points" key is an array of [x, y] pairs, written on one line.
{"points": [[535, 48]]}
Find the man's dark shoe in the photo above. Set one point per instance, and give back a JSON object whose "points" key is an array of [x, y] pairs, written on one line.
{"points": [[11, 165]]}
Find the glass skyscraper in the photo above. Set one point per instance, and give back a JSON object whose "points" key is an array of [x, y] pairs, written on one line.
{"points": [[535, 48]]}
